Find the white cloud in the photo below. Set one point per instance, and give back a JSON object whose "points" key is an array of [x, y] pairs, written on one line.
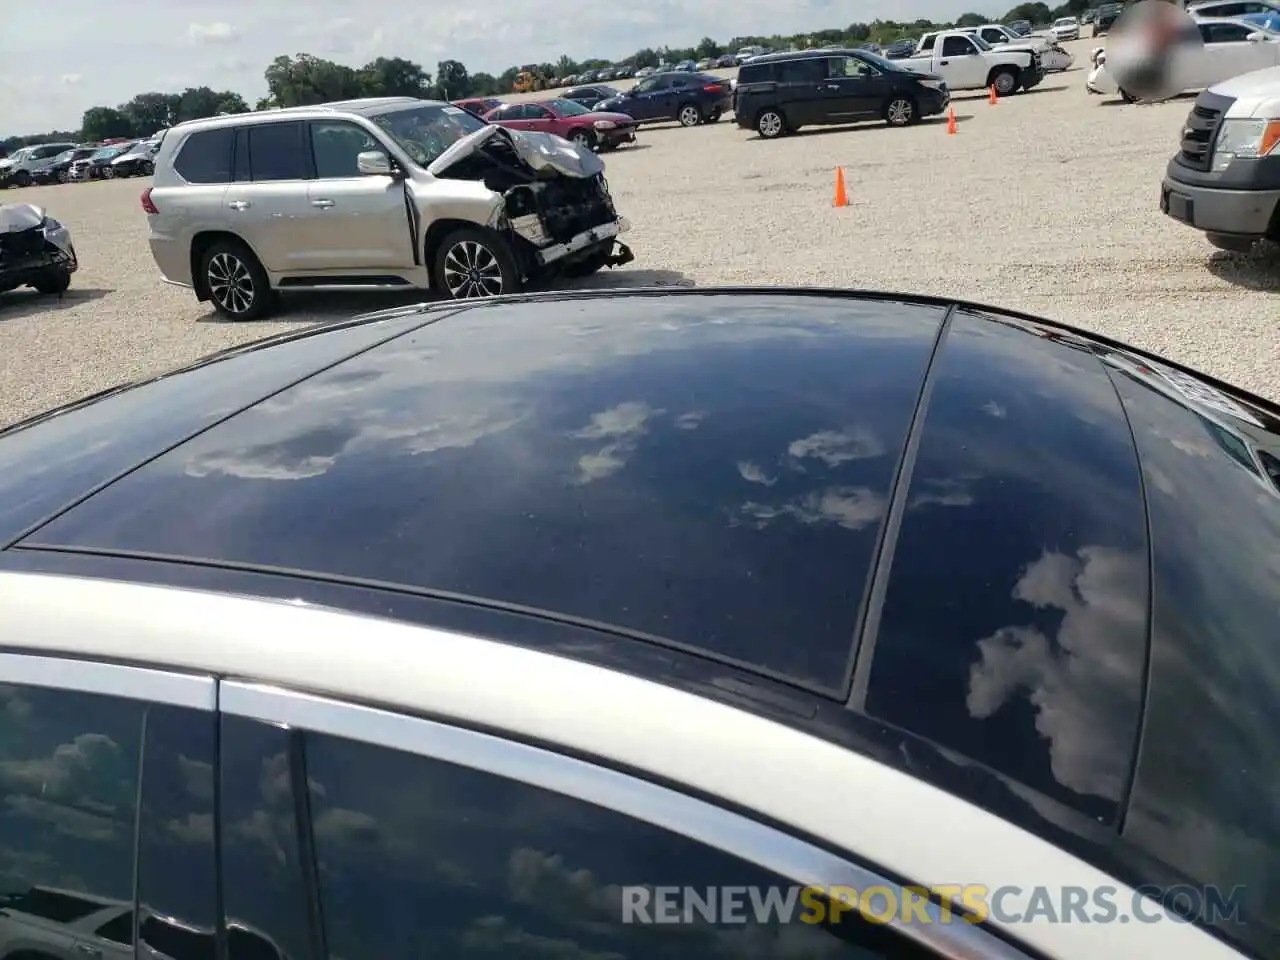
{"points": [[71, 79], [850, 507], [622, 426], [991, 408], [217, 32], [1080, 680], [752, 473], [834, 447]]}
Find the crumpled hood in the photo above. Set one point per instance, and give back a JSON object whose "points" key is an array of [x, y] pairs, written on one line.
{"points": [[541, 151], [15, 217]]}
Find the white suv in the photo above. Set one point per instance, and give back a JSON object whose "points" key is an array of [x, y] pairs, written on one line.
{"points": [[387, 193]]}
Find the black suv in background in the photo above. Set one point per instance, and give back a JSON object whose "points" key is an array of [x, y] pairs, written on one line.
{"points": [[782, 92], [1107, 15]]}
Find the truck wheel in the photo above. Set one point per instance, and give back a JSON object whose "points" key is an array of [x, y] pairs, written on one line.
{"points": [[689, 115], [900, 112], [472, 263], [237, 283], [1005, 81], [22, 178], [53, 281], [1126, 96], [770, 124], [1229, 243]]}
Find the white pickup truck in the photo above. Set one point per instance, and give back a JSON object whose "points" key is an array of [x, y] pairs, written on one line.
{"points": [[1052, 56], [967, 62]]}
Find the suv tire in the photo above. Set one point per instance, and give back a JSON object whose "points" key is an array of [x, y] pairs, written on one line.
{"points": [[235, 281], [689, 115], [770, 124], [473, 263], [901, 111], [22, 178]]}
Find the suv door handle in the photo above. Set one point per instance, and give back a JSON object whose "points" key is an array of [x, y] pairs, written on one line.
{"points": [[831, 86], [943, 63], [239, 204], [322, 203]]}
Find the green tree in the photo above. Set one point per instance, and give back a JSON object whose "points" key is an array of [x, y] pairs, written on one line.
{"points": [[567, 66], [970, 20], [452, 79], [708, 48], [306, 79], [1035, 12], [102, 123], [149, 112], [394, 77]]}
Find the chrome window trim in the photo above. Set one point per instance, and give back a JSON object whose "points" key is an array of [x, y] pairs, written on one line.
{"points": [[698, 820], [110, 679]]}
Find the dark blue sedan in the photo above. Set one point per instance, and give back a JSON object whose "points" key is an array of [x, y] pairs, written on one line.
{"points": [[688, 98]]}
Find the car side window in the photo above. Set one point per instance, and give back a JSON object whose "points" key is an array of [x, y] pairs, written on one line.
{"points": [[276, 151], [69, 770], [1226, 33], [927, 43], [71, 780], [205, 156], [802, 71], [412, 850], [540, 113], [335, 147], [957, 47], [850, 67], [264, 885]]}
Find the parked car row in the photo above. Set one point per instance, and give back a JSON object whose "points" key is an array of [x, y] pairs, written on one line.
{"points": [[67, 162]]}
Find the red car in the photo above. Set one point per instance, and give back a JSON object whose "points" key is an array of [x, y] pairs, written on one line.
{"points": [[573, 121], [479, 106]]}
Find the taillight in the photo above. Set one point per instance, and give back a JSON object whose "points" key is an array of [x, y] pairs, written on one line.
{"points": [[147, 205], [713, 88]]}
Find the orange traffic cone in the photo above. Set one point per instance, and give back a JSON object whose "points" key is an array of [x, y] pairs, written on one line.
{"points": [[994, 98], [842, 198], [951, 121]]}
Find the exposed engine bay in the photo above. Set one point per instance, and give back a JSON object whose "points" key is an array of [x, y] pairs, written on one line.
{"points": [[553, 192], [35, 250]]}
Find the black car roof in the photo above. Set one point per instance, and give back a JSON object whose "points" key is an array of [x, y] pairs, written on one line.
{"points": [[1028, 565], [801, 55]]}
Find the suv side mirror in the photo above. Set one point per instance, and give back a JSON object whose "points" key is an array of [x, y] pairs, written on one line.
{"points": [[1256, 37], [374, 163]]}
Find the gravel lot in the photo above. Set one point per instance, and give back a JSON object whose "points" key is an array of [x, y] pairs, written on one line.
{"points": [[1047, 202]]}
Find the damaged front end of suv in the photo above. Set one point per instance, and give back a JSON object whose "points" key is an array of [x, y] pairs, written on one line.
{"points": [[546, 198], [35, 250]]}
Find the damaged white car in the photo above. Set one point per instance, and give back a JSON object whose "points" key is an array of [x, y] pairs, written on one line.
{"points": [[35, 250], [387, 193]]}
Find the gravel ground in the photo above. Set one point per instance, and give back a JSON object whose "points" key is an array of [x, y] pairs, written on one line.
{"points": [[1046, 202]]}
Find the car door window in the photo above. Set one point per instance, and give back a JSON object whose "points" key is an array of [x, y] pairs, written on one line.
{"points": [[68, 799], [1225, 33], [927, 43], [276, 152], [957, 47], [850, 67], [336, 145], [540, 113], [70, 785], [205, 156], [264, 890], [802, 71], [652, 85], [412, 850]]}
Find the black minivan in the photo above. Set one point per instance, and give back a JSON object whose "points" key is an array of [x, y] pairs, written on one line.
{"points": [[782, 92]]}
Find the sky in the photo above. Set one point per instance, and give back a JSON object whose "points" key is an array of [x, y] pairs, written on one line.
{"points": [[52, 68]]}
